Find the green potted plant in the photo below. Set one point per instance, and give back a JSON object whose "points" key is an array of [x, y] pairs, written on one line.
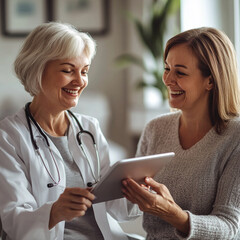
{"points": [[152, 35]]}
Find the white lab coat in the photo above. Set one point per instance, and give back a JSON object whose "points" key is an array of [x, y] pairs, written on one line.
{"points": [[25, 199]]}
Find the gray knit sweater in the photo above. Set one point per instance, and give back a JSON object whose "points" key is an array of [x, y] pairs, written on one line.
{"points": [[203, 180]]}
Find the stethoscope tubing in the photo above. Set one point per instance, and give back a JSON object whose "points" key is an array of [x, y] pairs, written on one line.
{"points": [[29, 118], [78, 136]]}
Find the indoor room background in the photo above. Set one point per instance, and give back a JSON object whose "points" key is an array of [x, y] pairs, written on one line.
{"points": [[111, 96]]}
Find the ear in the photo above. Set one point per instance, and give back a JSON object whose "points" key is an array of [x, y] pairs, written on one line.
{"points": [[209, 83]]}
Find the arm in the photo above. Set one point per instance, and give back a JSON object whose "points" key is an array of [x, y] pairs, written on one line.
{"points": [[23, 212], [21, 215], [223, 221]]}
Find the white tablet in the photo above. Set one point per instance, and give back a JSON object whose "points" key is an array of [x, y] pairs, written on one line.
{"points": [[109, 187]]}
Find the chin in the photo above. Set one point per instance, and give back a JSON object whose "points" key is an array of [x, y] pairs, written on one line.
{"points": [[172, 104], [70, 105]]}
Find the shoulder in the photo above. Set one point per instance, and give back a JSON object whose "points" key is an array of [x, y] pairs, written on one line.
{"points": [[233, 128], [229, 138], [14, 123], [162, 125], [154, 135], [163, 121], [234, 123], [14, 131]]}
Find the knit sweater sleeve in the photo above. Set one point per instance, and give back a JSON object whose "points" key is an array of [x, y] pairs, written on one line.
{"points": [[224, 220]]}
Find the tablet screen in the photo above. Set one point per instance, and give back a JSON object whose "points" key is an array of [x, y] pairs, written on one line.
{"points": [[109, 188]]}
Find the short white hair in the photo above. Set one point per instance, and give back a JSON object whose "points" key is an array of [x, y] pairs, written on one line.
{"points": [[47, 42]]}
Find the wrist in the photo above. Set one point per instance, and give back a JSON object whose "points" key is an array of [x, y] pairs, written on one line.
{"points": [[179, 219], [53, 220]]}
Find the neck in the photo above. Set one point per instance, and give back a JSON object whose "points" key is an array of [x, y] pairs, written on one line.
{"points": [[54, 123], [193, 128], [196, 123]]}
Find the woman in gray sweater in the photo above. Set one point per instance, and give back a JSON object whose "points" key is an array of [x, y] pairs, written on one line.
{"points": [[197, 195]]}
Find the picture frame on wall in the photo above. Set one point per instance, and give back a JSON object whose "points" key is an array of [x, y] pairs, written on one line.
{"points": [[90, 16], [19, 17]]}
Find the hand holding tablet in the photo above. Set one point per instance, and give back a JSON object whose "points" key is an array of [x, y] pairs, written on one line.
{"points": [[109, 188]]}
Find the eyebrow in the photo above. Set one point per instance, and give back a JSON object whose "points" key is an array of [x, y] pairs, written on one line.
{"points": [[67, 63], [178, 65]]}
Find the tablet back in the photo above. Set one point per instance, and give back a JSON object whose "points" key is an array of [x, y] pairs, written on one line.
{"points": [[109, 188]]}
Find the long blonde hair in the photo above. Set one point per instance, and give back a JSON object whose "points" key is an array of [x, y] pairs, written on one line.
{"points": [[217, 58]]}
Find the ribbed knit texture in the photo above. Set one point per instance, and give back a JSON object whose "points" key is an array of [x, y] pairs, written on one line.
{"points": [[203, 180]]}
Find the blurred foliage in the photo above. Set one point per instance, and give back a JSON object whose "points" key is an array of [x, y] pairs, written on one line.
{"points": [[152, 33]]}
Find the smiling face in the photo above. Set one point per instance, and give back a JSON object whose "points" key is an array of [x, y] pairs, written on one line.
{"points": [[188, 89], [63, 81]]}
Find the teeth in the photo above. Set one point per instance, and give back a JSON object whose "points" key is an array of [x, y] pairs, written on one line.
{"points": [[71, 91], [177, 92]]}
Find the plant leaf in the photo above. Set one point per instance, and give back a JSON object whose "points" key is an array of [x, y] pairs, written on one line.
{"points": [[127, 59]]}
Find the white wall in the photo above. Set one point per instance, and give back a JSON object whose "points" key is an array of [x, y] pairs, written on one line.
{"points": [[198, 13], [221, 14], [214, 13]]}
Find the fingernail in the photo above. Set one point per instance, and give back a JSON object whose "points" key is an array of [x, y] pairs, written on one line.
{"points": [[124, 182]]}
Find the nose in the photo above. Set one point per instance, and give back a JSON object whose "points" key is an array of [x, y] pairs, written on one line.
{"points": [[79, 79], [168, 78]]}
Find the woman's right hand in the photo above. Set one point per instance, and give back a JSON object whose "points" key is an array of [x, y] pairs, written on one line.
{"points": [[72, 203]]}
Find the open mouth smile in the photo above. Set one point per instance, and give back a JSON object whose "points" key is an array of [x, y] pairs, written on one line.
{"points": [[71, 91], [177, 92]]}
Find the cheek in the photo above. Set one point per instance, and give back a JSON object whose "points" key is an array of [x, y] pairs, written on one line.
{"points": [[62, 81], [182, 84], [85, 82], [164, 78]]}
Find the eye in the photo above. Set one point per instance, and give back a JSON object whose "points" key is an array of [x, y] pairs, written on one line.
{"points": [[85, 72], [66, 71], [166, 69], [181, 73]]}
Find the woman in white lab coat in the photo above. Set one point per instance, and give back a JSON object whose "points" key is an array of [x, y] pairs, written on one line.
{"points": [[45, 174]]}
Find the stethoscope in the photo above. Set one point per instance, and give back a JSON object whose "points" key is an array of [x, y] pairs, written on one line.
{"points": [[80, 142]]}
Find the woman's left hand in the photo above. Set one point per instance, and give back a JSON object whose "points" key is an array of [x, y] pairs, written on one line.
{"points": [[158, 202]]}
